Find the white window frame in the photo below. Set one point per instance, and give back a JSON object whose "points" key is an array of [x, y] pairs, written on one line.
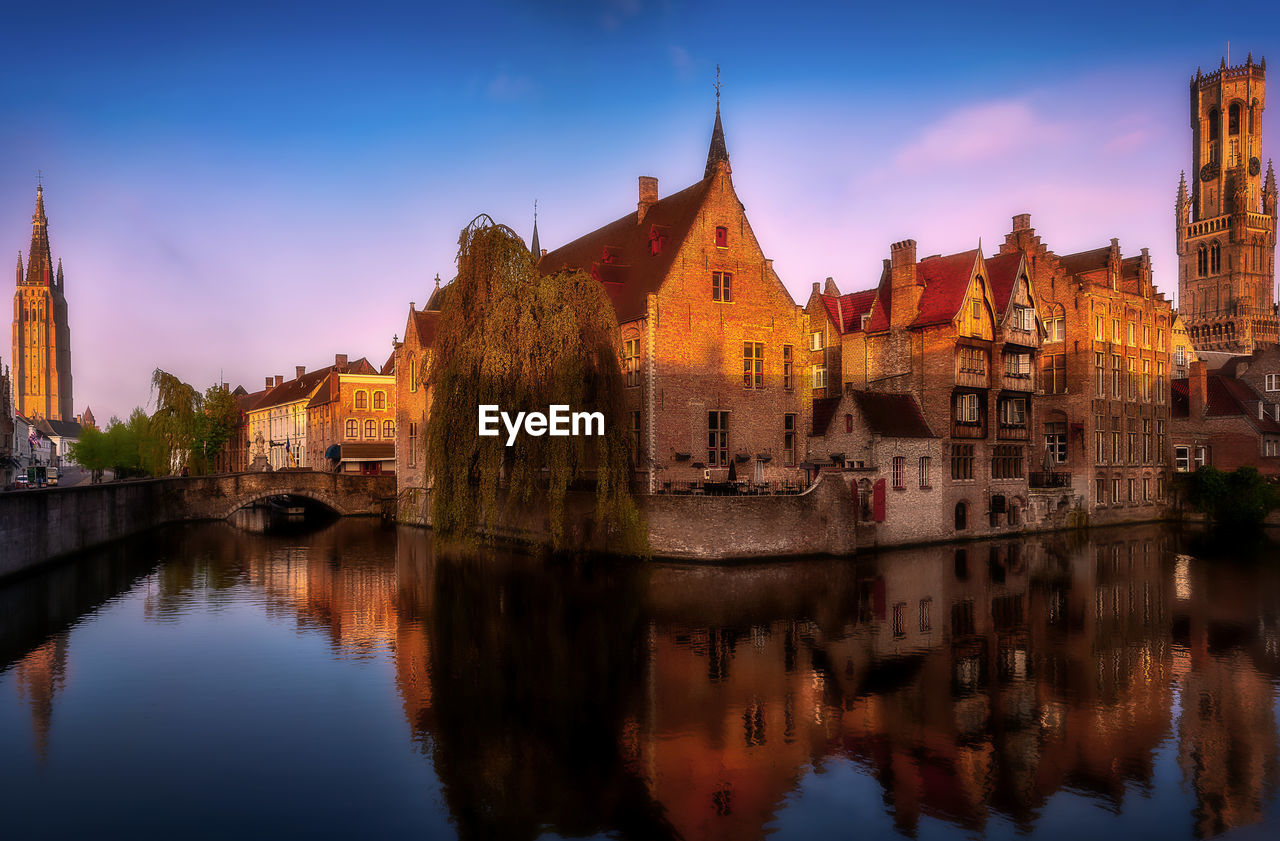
{"points": [[819, 376], [815, 340]]}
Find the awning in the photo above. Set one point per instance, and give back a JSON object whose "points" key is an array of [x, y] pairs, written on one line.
{"points": [[366, 451], [333, 452]]}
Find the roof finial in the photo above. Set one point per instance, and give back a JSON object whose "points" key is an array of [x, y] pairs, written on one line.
{"points": [[717, 88], [534, 246]]}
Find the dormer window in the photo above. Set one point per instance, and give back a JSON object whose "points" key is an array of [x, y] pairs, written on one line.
{"points": [[657, 240], [722, 237], [866, 316]]}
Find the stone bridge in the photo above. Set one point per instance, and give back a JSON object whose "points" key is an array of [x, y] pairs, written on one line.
{"points": [[39, 525]]}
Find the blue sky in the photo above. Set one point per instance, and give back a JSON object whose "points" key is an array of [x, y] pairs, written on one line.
{"points": [[248, 187]]}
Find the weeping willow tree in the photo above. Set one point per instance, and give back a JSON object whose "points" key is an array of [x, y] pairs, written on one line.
{"points": [[511, 337]]}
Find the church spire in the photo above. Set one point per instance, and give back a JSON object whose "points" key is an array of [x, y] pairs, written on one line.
{"points": [[718, 151], [534, 247], [39, 261], [19, 267]]}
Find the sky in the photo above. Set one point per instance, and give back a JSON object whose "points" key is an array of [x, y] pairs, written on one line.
{"points": [[236, 189]]}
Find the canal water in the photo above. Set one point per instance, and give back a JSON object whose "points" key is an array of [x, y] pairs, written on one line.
{"points": [[224, 681]]}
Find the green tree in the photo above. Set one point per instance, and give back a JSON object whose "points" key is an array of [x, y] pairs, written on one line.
{"points": [[1241, 498], [213, 426], [509, 336]]}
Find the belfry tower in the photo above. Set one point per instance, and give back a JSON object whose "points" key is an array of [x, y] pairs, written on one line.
{"points": [[41, 337], [1226, 223]]}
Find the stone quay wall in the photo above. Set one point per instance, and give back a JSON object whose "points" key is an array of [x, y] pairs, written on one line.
{"points": [[41, 525]]}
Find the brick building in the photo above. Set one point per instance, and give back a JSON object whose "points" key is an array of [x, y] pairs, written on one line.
{"points": [[958, 336], [711, 339], [1220, 420], [355, 408], [1102, 428], [1226, 221], [412, 362], [8, 464], [41, 335]]}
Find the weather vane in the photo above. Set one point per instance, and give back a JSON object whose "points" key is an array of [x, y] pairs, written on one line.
{"points": [[717, 86], [39, 177]]}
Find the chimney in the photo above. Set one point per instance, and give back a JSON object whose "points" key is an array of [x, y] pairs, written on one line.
{"points": [[830, 287], [340, 360], [279, 379], [299, 371], [648, 196], [269, 382], [1197, 390], [1022, 222], [817, 287], [904, 286], [544, 252]]}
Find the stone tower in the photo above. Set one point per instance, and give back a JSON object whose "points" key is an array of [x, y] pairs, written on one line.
{"points": [[41, 337], [1226, 217]]}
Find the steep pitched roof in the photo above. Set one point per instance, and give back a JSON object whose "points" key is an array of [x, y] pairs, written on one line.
{"points": [[892, 415], [824, 409], [846, 311], [1002, 273], [620, 256], [424, 323], [388, 367], [301, 388], [248, 402], [946, 279], [717, 151], [65, 429], [1225, 397]]}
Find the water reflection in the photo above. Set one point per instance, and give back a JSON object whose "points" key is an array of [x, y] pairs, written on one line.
{"points": [[979, 689]]}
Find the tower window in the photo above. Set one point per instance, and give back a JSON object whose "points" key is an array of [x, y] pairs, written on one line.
{"points": [[722, 237], [1214, 120], [1233, 119]]}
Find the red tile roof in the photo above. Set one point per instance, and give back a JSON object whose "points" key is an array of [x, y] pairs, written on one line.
{"points": [[424, 323], [301, 387], [846, 311], [892, 415], [632, 271], [1086, 261], [946, 279], [1002, 272], [389, 367], [1226, 397]]}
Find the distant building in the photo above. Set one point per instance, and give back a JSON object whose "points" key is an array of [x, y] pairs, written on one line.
{"points": [[356, 410], [8, 464], [1226, 220], [59, 436], [1229, 418], [41, 336], [413, 401]]}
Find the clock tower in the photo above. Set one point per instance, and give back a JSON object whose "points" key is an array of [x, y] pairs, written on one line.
{"points": [[1226, 215]]}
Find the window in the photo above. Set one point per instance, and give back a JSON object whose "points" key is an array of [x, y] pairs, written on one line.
{"points": [[362, 400], [1159, 384], [1146, 380], [1101, 485], [1115, 489], [1133, 378], [1099, 376], [717, 439], [899, 619], [1182, 459], [353, 428], [1146, 336], [1024, 318], [926, 615], [1180, 357], [1099, 441], [961, 461], [1132, 498], [413, 374], [1055, 329], [1055, 441], [1115, 441], [1099, 332], [413, 445], [1146, 488], [976, 307], [1133, 443], [1054, 373], [1160, 338], [753, 365], [1115, 331], [786, 367], [1117, 386], [819, 376], [1161, 443], [973, 360], [815, 340], [371, 428], [1013, 411], [848, 422], [967, 408], [1271, 447], [637, 437], [1006, 462], [1160, 486], [1202, 456], [1273, 381], [379, 400], [1017, 365], [721, 286], [631, 361], [899, 472], [1146, 440], [722, 237], [925, 464], [789, 440], [1131, 329]]}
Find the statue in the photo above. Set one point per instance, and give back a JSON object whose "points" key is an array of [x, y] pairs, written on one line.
{"points": [[258, 451]]}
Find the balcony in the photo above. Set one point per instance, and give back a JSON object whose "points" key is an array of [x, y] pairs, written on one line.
{"points": [[1049, 479]]}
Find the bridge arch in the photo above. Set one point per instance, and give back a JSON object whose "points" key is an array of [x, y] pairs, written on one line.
{"points": [[246, 500]]}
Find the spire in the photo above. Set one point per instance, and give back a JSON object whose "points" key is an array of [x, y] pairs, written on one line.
{"points": [[39, 262], [718, 151], [59, 272], [533, 243], [19, 267], [1271, 178]]}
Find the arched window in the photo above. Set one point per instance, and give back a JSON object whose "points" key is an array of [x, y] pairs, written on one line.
{"points": [[371, 428], [413, 374], [388, 429], [362, 400], [353, 428], [1202, 261], [1214, 123], [1215, 258], [379, 400], [1233, 119], [962, 516]]}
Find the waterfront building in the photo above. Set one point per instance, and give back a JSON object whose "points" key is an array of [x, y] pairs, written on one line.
{"points": [[1103, 425], [59, 435], [7, 462], [1226, 218], [1220, 421], [711, 339], [413, 401], [355, 409], [957, 336], [1182, 351], [41, 335], [279, 417]]}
